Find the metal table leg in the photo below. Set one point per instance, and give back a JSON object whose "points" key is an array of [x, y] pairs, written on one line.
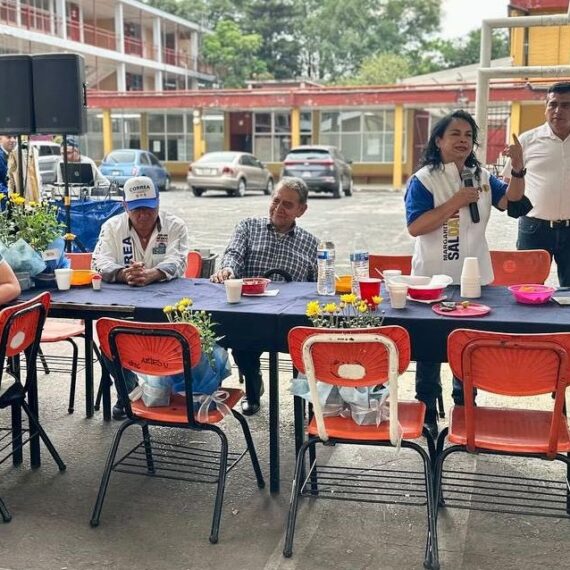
{"points": [[274, 422]]}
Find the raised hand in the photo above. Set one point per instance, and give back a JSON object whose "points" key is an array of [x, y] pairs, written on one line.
{"points": [[515, 153]]}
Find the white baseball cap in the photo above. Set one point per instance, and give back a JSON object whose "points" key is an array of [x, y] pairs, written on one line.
{"points": [[140, 192]]}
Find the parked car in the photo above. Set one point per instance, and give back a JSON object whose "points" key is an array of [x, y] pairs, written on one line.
{"points": [[233, 172], [120, 165], [323, 168], [48, 159]]}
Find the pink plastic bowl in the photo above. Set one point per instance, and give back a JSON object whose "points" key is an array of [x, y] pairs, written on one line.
{"points": [[254, 285], [425, 294], [532, 294]]}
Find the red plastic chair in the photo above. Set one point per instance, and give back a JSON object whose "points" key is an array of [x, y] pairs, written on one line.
{"points": [[509, 365], [20, 330], [66, 330], [377, 263], [522, 266], [193, 265], [359, 358], [157, 350]]}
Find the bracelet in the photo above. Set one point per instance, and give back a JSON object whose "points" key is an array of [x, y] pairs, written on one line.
{"points": [[518, 173]]}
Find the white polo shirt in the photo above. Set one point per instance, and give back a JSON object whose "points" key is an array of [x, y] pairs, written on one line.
{"points": [[547, 180]]}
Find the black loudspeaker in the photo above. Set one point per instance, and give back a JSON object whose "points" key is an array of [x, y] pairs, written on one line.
{"points": [[60, 102], [16, 103]]}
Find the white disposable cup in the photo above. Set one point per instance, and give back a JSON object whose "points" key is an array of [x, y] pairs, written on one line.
{"points": [[470, 288], [471, 268], [398, 295], [389, 274], [233, 290], [63, 278]]}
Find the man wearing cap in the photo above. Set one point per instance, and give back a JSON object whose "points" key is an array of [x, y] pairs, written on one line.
{"points": [[140, 246], [74, 155]]}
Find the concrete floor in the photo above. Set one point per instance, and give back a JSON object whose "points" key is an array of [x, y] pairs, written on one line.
{"points": [[164, 525]]}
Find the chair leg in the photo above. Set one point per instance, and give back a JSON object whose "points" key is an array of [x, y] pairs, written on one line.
{"points": [[43, 360], [107, 473], [43, 435], [568, 483], [99, 396], [218, 503], [430, 443], [148, 449], [73, 375], [440, 407], [17, 455], [250, 448], [295, 495], [6, 516], [314, 476]]}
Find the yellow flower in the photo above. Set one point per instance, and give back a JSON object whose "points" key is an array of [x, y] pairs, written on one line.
{"points": [[69, 237], [331, 308], [348, 298], [362, 307], [313, 309], [19, 200], [377, 299], [168, 309], [185, 302], [3, 197], [33, 204]]}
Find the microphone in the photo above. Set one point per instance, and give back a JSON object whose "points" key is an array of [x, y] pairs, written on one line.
{"points": [[468, 182]]}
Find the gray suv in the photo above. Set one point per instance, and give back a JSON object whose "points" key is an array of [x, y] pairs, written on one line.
{"points": [[322, 167]]}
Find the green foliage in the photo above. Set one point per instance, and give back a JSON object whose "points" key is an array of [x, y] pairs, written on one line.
{"points": [[380, 69], [36, 223], [233, 54]]}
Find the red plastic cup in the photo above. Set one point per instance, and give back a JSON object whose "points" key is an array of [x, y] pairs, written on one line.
{"points": [[369, 287]]}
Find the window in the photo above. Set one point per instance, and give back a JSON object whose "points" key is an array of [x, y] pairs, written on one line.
{"points": [[363, 136], [145, 159]]}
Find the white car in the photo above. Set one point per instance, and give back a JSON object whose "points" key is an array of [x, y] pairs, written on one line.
{"points": [[48, 159]]}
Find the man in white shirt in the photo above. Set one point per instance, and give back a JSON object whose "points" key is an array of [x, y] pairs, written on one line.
{"points": [[140, 247], [74, 155], [546, 151]]}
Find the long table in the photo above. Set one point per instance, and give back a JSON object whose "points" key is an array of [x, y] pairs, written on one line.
{"points": [[262, 323]]}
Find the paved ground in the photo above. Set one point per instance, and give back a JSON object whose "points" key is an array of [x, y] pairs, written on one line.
{"points": [[164, 525]]}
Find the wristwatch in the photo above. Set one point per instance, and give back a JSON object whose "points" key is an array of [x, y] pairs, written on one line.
{"points": [[518, 173]]}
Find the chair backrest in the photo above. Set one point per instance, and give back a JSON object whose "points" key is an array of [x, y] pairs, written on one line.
{"points": [[79, 260], [523, 266], [510, 365], [21, 329], [156, 349], [353, 358], [193, 265], [378, 263]]}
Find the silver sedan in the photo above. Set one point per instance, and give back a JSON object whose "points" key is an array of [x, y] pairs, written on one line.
{"points": [[232, 172]]}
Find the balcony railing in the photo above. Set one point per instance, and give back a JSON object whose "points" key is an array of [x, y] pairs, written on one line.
{"points": [[31, 18], [99, 37]]}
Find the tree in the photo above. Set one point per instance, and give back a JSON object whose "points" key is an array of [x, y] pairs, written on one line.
{"points": [[380, 69], [233, 54]]}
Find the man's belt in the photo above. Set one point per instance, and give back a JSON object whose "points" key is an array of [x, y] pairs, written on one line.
{"points": [[554, 223]]}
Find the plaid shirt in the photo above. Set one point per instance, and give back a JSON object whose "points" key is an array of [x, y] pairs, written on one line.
{"points": [[256, 247]]}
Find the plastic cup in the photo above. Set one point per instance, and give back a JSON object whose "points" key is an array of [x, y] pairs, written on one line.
{"points": [[398, 295], [470, 288], [389, 273], [233, 290], [369, 287], [470, 268], [63, 278], [96, 281]]}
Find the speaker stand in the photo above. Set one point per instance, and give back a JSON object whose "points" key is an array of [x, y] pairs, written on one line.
{"points": [[69, 238]]}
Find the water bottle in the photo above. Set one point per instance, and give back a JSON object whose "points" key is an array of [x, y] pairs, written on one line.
{"points": [[358, 263], [325, 266]]}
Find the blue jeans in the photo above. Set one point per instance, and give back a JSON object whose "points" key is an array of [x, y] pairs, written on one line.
{"points": [[428, 385], [537, 234]]}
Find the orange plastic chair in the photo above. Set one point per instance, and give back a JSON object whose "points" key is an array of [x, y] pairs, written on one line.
{"points": [[193, 265], [522, 266], [66, 330], [377, 263], [360, 358], [509, 365], [20, 330], [159, 350]]}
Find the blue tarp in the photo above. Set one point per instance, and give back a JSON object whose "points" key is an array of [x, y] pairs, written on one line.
{"points": [[87, 217]]}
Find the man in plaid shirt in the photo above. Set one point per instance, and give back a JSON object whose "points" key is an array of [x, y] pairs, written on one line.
{"points": [[261, 244]]}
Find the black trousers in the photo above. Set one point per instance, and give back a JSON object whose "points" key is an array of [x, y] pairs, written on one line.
{"points": [[248, 364]]}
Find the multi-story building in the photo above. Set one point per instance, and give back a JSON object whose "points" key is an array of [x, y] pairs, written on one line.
{"points": [[127, 46]]}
